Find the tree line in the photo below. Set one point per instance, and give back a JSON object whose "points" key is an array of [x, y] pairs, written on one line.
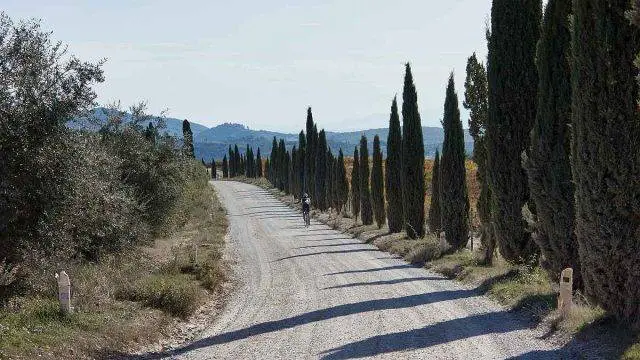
{"points": [[554, 118]]}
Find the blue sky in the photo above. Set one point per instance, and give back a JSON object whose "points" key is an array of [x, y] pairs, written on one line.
{"points": [[261, 63]]}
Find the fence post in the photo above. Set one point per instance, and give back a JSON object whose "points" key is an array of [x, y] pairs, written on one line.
{"points": [[64, 292], [565, 300]]}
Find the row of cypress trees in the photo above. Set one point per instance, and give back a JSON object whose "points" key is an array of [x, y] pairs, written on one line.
{"points": [[322, 176], [555, 122], [238, 164]]}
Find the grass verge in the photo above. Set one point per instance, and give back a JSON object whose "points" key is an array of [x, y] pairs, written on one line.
{"points": [[124, 301]]}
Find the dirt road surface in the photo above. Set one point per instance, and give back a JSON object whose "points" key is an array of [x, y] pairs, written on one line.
{"points": [[308, 293]]}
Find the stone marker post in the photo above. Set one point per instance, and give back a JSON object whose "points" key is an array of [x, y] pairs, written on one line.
{"points": [[565, 300], [64, 292], [443, 241]]}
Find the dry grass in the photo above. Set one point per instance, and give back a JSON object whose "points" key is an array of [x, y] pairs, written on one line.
{"points": [[632, 353], [123, 301]]}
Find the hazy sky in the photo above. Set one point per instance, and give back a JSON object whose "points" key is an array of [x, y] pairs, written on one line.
{"points": [[261, 63]]}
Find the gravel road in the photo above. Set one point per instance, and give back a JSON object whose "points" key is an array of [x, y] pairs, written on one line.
{"points": [[308, 293]]}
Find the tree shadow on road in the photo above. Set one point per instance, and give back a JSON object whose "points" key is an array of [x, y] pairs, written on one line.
{"points": [[328, 245], [396, 267], [326, 252], [386, 282], [494, 322]]}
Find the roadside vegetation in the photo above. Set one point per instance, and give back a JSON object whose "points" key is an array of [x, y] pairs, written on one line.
{"points": [[113, 201]]}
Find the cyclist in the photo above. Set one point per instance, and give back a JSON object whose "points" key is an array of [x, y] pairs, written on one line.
{"points": [[306, 207]]}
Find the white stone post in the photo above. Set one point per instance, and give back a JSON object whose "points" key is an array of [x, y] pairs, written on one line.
{"points": [[443, 241], [565, 300], [64, 292]]}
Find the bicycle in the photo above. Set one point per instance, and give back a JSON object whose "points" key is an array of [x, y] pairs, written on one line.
{"points": [[306, 218]]}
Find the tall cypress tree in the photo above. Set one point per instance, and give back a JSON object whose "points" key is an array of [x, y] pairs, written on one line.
{"points": [[605, 155], [548, 164], [310, 159], [513, 80], [342, 188], [320, 181], [315, 140], [412, 159], [393, 172], [329, 179], [273, 163], [287, 173], [187, 139], [293, 170], [225, 167], [435, 214], [230, 165], [366, 213], [282, 165], [476, 100], [267, 170], [377, 184], [213, 169], [453, 185], [302, 145], [259, 164], [237, 161], [247, 170], [355, 185]]}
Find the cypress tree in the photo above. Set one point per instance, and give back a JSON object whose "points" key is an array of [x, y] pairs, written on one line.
{"points": [[412, 159], [355, 185], [366, 213], [247, 170], [320, 181], [231, 172], [294, 171], [225, 167], [259, 164], [435, 215], [273, 163], [330, 179], [213, 169], [476, 100], [315, 140], [301, 164], [287, 174], [237, 161], [187, 139], [605, 155], [310, 160], [393, 172], [283, 165], [151, 133], [279, 165], [512, 79], [267, 172], [548, 164], [335, 189], [377, 184], [343, 185], [453, 185]]}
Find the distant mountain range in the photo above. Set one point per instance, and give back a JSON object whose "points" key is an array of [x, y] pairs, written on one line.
{"points": [[214, 142]]}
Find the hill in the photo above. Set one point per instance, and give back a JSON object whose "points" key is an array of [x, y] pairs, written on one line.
{"points": [[214, 142], [98, 116]]}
